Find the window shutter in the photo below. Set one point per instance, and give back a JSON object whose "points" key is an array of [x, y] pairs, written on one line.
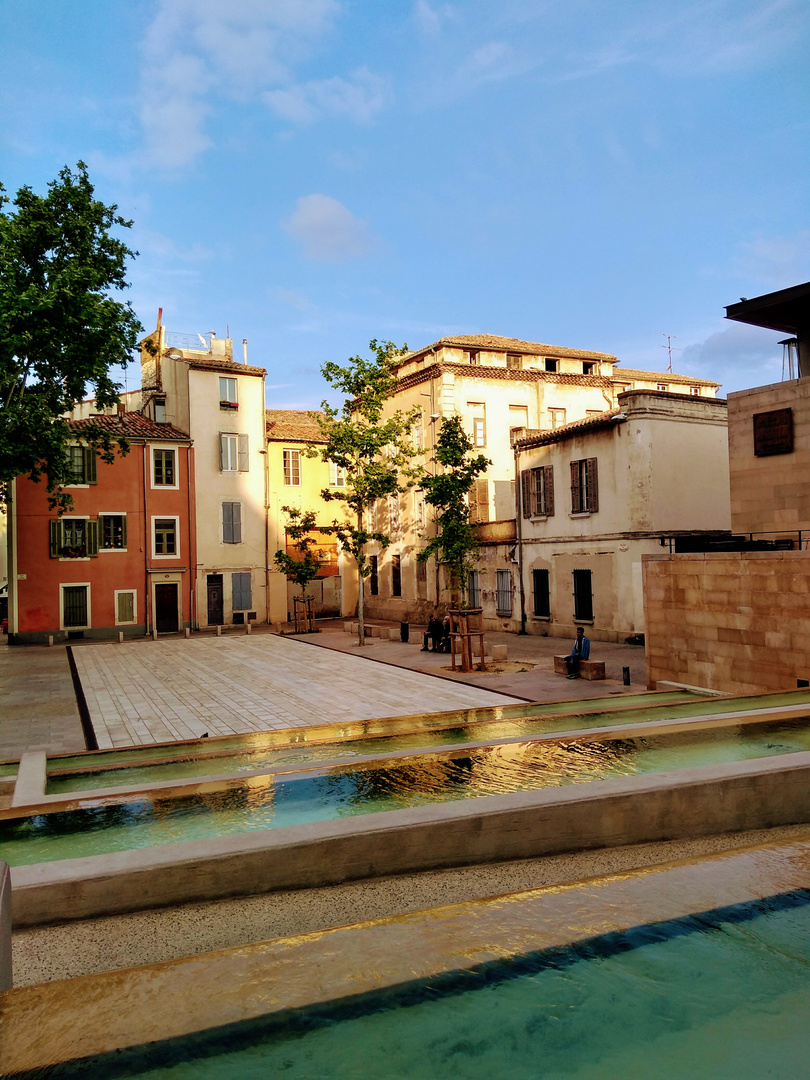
{"points": [[479, 501], [56, 537], [223, 453], [236, 514], [90, 465], [525, 483], [548, 490], [592, 485], [124, 531], [576, 492], [227, 523], [244, 460], [92, 537]]}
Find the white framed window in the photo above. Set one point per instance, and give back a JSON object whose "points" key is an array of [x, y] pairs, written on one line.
{"points": [[164, 467], [337, 475], [74, 606], [227, 394], [557, 417], [479, 422], [662, 386], [695, 391], [165, 537], [82, 466], [292, 468], [160, 410], [73, 538], [233, 453], [231, 523], [112, 532], [126, 607]]}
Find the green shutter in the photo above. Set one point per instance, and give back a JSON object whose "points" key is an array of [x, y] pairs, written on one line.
{"points": [[92, 537], [90, 465], [576, 493], [548, 490], [525, 484], [123, 530], [56, 537], [592, 485]]}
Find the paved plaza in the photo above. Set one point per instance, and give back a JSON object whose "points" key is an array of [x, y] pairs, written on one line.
{"points": [[174, 689]]}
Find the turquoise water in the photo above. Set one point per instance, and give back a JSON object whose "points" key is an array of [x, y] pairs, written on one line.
{"points": [[721, 996], [416, 736], [392, 784]]}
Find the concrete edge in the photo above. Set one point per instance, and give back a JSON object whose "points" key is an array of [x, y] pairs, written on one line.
{"points": [[32, 779]]}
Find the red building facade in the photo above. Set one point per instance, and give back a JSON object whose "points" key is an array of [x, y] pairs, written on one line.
{"points": [[122, 558]]}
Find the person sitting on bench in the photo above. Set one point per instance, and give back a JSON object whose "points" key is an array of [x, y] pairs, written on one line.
{"points": [[580, 651], [432, 634]]}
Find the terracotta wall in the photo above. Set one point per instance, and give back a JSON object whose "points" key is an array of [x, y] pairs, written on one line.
{"points": [[733, 622]]}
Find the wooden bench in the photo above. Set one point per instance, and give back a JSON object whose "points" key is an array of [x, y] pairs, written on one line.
{"points": [[588, 669]]}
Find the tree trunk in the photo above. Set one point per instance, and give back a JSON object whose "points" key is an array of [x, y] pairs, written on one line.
{"points": [[361, 626]]}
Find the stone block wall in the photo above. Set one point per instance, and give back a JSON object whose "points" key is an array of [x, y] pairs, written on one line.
{"points": [[734, 622]]}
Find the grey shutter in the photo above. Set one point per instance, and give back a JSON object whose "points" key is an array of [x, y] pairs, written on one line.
{"points": [[576, 493], [56, 537], [227, 523], [525, 483], [223, 453], [592, 485], [241, 592], [91, 534], [236, 517], [482, 500], [244, 460], [548, 490], [89, 465]]}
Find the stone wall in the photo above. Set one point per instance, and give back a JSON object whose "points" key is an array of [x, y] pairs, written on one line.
{"points": [[734, 622]]}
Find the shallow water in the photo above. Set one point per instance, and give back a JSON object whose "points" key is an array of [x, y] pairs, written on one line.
{"points": [[414, 737], [722, 997], [346, 791]]}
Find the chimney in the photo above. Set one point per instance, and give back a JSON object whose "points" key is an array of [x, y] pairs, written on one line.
{"points": [[244, 350], [122, 408]]}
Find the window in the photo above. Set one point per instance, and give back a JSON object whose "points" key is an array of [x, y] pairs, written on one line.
{"points": [[82, 465], [75, 606], [337, 474], [112, 532], [473, 589], [583, 596], [373, 580], [474, 357], [623, 387], [551, 365], [695, 390], [232, 523], [503, 592], [557, 417], [542, 598], [513, 362], [241, 591], [165, 536], [73, 538], [125, 606], [518, 419], [421, 571], [479, 423], [164, 471], [588, 367], [292, 468], [479, 501], [396, 575], [662, 386], [227, 394], [233, 453], [584, 487], [538, 491], [160, 410]]}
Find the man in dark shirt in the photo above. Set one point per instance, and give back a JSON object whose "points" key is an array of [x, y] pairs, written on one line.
{"points": [[580, 651]]}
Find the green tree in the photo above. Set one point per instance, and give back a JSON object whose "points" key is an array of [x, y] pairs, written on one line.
{"points": [[446, 490], [60, 329], [374, 453], [302, 567]]}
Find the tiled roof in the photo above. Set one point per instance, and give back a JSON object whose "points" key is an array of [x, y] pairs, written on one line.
{"points": [[227, 366], [603, 419], [467, 371], [132, 425], [293, 425], [621, 373], [494, 343]]}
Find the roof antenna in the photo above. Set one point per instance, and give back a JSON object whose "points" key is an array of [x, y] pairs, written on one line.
{"points": [[670, 348]]}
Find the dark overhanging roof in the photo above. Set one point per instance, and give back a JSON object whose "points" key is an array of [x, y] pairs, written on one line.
{"points": [[787, 311]]}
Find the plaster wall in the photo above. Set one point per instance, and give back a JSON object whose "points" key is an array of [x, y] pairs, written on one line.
{"points": [[732, 622], [770, 494]]}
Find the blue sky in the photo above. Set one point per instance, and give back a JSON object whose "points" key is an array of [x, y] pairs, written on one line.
{"points": [[315, 173]]}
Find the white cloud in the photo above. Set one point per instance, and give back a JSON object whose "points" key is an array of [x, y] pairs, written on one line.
{"points": [[431, 18], [738, 356], [328, 231], [776, 262], [358, 98]]}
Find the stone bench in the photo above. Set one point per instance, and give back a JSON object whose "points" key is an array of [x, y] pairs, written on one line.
{"points": [[588, 669]]}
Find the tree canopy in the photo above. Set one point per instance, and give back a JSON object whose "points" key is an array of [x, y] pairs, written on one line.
{"points": [[447, 491], [302, 567], [61, 330], [372, 452]]}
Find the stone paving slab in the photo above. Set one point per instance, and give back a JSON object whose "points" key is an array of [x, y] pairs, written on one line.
{"points": [[175, 689], [38, 708]]}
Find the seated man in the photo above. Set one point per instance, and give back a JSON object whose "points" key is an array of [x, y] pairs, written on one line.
{"points": [[580, 651], [432, 634]]}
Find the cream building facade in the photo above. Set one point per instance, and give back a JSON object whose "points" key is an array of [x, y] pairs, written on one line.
{"points": [[503, 388], [194, 383]]}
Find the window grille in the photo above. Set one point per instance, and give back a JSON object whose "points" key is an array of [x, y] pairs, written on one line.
{"points": [[503, 592]]}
